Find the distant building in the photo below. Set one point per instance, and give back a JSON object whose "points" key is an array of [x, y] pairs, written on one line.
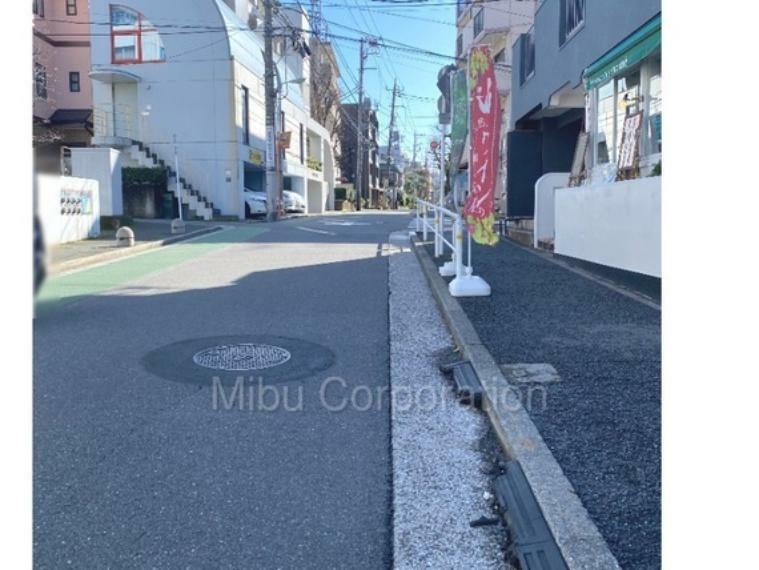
{"points": [[62, 94], [370, 186], [325, 93], [200, 90]]}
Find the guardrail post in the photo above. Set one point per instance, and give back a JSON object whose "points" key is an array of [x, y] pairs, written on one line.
{"points": [[418, 220], [424, 222]]}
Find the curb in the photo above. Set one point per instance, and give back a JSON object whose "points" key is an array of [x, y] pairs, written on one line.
{"points": [[577, 537], [126, 251]]}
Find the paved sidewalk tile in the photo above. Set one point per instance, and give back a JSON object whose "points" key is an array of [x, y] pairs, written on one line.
{"points": [[602, 421]]}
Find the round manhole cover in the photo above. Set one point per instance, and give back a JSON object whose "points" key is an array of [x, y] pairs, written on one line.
{"points": [[226, 358], [243, 356]]}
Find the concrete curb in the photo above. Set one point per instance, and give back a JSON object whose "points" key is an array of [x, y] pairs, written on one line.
{"points": [[578, 538], [126, 251]]}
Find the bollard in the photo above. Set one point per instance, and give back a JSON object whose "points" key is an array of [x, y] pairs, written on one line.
{"points": [[424, 222], [124, 237]]}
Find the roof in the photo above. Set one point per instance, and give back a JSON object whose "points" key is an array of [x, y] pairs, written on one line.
{"points": [[247, 47], [70, 116]]}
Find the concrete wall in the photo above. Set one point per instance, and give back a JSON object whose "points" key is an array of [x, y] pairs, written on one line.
{"points": [[61, 227], [545, 190], [616, 224], [607, 22], [103, 165]]}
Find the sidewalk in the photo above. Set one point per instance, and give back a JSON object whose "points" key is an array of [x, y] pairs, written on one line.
{"points": [[147, 233], [602, 419]]}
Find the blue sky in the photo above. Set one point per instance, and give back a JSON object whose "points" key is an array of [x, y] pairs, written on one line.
{"points": [[431, 27]]}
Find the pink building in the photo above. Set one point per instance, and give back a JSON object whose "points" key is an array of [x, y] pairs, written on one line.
{"points": [[61, 84]]}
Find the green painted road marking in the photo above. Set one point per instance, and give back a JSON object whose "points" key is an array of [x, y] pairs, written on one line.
{"points": [[65, 288]]}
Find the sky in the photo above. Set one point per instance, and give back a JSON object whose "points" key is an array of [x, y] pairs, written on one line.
{"points": [[431, 27]]}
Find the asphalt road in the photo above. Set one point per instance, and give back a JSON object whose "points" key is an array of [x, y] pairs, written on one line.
{"points": [[135, 467]]}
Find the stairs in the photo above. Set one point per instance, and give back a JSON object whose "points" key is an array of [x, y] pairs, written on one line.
{"points": [[198, 205]]}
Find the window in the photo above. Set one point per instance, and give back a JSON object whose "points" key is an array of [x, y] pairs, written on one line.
{"points": [[459, 45], [133, 38], [40, 81], [479, 22], [71, 7], [653, 102], [245, 96], [614, 102], [302, 146], [572, 18], [527, 65], [74, 82], [38, 8]]}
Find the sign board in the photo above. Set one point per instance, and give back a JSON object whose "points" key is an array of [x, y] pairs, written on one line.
{"points": [[433, 146], [629, 149], [270, 148], [578, 162], [485, 137], [284, 139], [256, 157]]}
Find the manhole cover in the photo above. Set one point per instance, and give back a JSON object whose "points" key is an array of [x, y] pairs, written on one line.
{"points": [[226, 358], [245, 356]]}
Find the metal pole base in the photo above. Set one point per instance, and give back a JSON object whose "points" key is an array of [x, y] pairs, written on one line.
{"points": [[448, 269], [469, 286]]}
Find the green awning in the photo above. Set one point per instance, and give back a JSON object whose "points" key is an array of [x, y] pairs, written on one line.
{"points": [[627, 53]]}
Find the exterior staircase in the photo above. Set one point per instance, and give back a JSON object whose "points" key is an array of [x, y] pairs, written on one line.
{"points": [[198, 206]]}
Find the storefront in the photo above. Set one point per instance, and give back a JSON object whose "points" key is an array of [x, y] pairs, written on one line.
{"points": [[625, 81]]}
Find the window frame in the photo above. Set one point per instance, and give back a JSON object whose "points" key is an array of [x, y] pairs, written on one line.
{"points": [[478, 21], [38, 8], [528, 45], [71, 8], [302, 145], [460, 45], [245, 96], [40, 81], [566, 34], [78, 82], [137, 34]]}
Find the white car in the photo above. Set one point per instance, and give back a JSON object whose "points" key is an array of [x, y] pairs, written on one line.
{"points": [[255, 203], [293, 202]]}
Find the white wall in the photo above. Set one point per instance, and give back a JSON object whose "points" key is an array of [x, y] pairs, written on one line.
{"points": [[103, 165], [58, 227], [545, 189], [616, 224]]}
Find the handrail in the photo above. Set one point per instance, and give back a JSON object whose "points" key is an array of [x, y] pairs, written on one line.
{"points": [[465, 284]]}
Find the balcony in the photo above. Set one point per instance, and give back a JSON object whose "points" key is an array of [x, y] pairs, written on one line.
{"points": [[314, 164]]}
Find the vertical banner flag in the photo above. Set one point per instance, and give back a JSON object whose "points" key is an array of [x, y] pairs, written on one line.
{"points": [[484, 143], [459, 115]]}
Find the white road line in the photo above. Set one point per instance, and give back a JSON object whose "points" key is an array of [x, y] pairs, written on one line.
{"points": [[316, 231]]}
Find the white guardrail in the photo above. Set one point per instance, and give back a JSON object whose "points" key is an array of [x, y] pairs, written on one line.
{"points": [[432, 218]]}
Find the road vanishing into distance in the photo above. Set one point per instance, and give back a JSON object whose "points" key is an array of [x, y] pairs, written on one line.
{"points": [[192, 404]]}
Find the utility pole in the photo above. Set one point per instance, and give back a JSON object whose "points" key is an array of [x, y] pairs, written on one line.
{"points": [[360, 126], [272, 149], [390, 137]]}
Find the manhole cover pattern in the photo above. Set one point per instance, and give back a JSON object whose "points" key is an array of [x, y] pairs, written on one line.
{"points": [[244, 356]]}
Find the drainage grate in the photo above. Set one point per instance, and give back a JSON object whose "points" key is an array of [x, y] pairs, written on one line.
{"points": [[466, 383], [533, 543], [243, 356]]}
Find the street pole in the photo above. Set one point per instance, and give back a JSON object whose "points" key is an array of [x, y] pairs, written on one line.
{"points": [[390, 138], [179, 184], [272, 151], [360, 126]]}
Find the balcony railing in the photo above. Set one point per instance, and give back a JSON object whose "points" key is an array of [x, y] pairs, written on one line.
{"points": [[314, 164]]}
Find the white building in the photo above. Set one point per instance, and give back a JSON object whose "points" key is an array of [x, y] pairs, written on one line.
{"points": [[192, 80]]}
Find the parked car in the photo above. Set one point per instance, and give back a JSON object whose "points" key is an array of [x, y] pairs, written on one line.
{"points": [[294, 202], [255, 203]]}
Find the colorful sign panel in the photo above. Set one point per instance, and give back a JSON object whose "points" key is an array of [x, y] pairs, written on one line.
{"points": [[485, 135], [459, 120]]}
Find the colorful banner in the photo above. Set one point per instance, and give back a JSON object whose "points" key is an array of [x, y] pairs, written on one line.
{"points": [[485, 136], [459, 120]]}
